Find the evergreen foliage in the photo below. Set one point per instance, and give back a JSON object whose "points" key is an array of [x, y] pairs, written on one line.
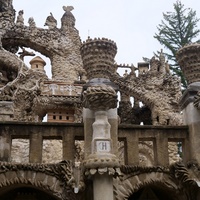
{"points": [[177, 29]]}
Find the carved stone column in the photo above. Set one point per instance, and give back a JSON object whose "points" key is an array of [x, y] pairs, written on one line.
{"points": [[189, 61], [100, 102], [100, 116]]}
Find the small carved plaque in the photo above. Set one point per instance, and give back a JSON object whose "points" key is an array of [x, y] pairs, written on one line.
{"points": [[103, 146]]}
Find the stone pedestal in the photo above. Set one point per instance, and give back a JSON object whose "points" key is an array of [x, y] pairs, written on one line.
{"points": [[190, 113], [191, 117], [100, 138]]}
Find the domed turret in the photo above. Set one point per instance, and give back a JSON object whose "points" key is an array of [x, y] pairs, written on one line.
{"points": [[38, 64]]}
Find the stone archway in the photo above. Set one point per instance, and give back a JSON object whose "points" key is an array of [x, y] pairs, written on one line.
{"points": [[153, 192], [12, 180], [51, 180], [133, 186]]}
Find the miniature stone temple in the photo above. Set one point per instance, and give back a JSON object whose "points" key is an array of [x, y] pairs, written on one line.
{"points": [[107, 136]]}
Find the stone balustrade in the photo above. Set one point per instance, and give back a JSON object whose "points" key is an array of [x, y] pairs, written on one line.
{"points": [[160, 136], [132, 135]]}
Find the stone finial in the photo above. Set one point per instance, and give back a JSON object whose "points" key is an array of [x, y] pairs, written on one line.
{"points": [[20, 18], [51, 22], [189, 60], [31, 22], [98, 57], [68, 8], [167, 67], [68, 19]]}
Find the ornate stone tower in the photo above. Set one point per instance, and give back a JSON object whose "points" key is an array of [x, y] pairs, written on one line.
{"points": [[100, 116]]}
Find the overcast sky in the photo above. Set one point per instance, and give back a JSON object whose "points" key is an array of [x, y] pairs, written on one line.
{"points": [[130, 23]]}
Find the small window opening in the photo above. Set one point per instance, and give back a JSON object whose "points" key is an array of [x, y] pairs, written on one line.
{"points": [[167, 121]]}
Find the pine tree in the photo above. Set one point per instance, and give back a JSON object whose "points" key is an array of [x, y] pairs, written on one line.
{"points": [[177, 29]]}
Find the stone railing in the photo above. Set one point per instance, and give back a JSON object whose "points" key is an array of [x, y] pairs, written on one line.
{"points": [[159, 136], [131, 135], [36, 133]]}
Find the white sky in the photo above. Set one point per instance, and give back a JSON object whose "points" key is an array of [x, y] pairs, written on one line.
{"points": [[130, 23]]}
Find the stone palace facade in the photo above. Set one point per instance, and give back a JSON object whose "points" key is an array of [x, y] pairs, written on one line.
{"points": [[107, 136]]}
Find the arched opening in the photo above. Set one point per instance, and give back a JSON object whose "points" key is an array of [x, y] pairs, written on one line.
{"points": [[25, 193], [153, 193]]}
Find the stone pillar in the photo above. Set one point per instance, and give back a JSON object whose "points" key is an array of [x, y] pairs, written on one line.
{"points": [[189, 61], [5, 146], [103, 187], [68, 145], [100, 116], [101, 147], [35, 155], [125, 108], [191, 117]]}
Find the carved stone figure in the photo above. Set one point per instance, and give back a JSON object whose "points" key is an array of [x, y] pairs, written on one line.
{"points": [[51, 22], [20, 18]]}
